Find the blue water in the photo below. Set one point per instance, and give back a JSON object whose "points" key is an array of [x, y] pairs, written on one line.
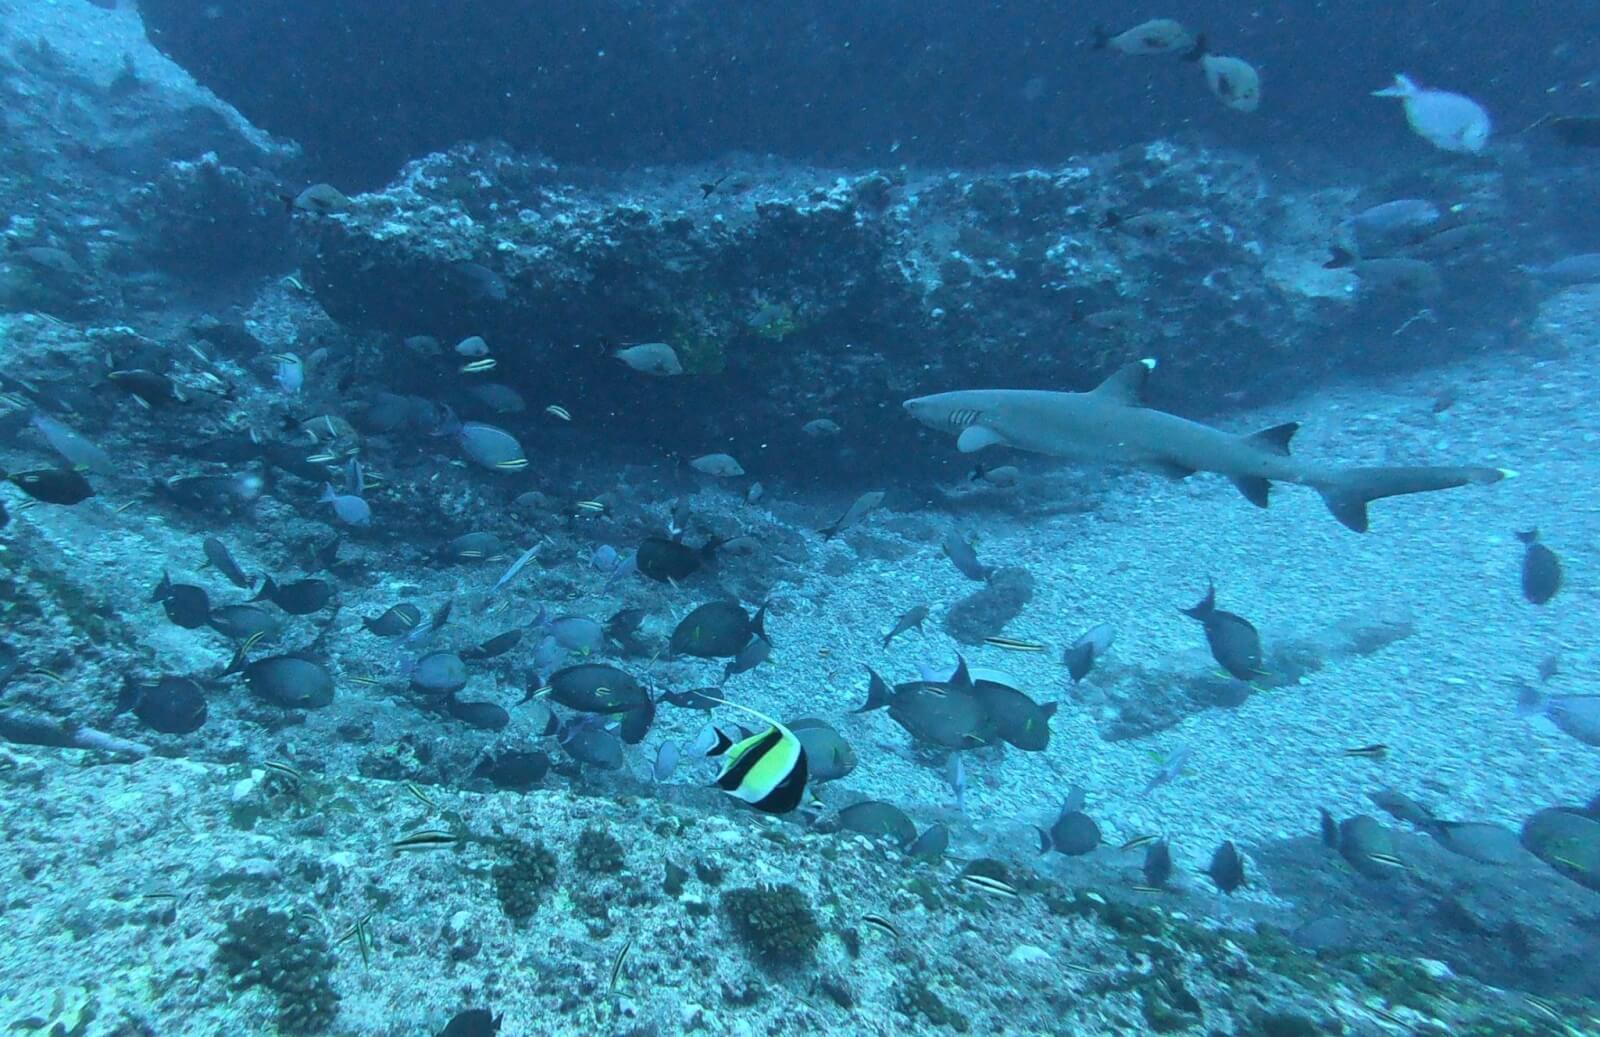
{"points": [[553, 362]]}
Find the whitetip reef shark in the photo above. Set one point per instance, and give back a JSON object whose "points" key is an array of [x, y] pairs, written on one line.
{"points": [[1109, 425]]}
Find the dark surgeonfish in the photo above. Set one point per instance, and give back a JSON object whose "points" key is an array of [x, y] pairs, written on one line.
{"points": [[1074, 832], [242, 622], [664, 560], [1235, 645], [300, 598], [186, 605], [949, 714], [1157, 864], [718, 630], [589, 740], [290, 681], [1227, 867], [486, 716], [473, 1022], [1568, 840], [1017, 719], [397, 621], [1367, 846], [1479, 841], [1541, 569], [172, 705], [51, 485], [495, 646], [603, 689]]}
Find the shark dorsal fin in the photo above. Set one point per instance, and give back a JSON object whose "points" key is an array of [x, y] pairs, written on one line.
{"points": [[1274, 440], [1126, 384]]}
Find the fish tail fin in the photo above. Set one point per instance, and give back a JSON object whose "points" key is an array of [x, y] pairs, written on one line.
{"points": [[1348, 493], [127, 698], [1198, 51], [759, 623], [1339, 258], [878, 692], [268, 588], [1528, 536], [1205, 606], [1401, 87], [1100, 38], [1529, 701], [236, 665]]}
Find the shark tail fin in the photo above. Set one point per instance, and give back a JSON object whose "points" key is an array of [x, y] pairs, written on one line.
{"points": [[1348, 493]]}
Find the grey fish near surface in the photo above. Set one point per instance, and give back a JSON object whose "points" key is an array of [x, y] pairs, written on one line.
{"points": [[1235, 645], [221, 559], [828, 756], [721, 466], [1448, 121], [876, 818], [755, 652], [863, 506], [652, 358], [1541, 569], [1170, 768], [911, 619], [77, 450], [965, 558], [1580, 269], [1087, 650], [1577, 715], [1156, 36], [1109, 425]]}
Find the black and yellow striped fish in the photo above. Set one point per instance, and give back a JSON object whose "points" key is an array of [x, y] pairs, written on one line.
{"points": [[766, 770]]}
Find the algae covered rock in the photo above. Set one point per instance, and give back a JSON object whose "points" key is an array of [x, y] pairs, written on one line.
{"points": [[288, 955], [522, 876], [984, 613], [775, 924]]}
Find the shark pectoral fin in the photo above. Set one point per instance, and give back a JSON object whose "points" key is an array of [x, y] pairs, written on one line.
{"points": [[1126, 384], [1254, 488], [975, 437], [1274, 440], [1173, 470]]}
